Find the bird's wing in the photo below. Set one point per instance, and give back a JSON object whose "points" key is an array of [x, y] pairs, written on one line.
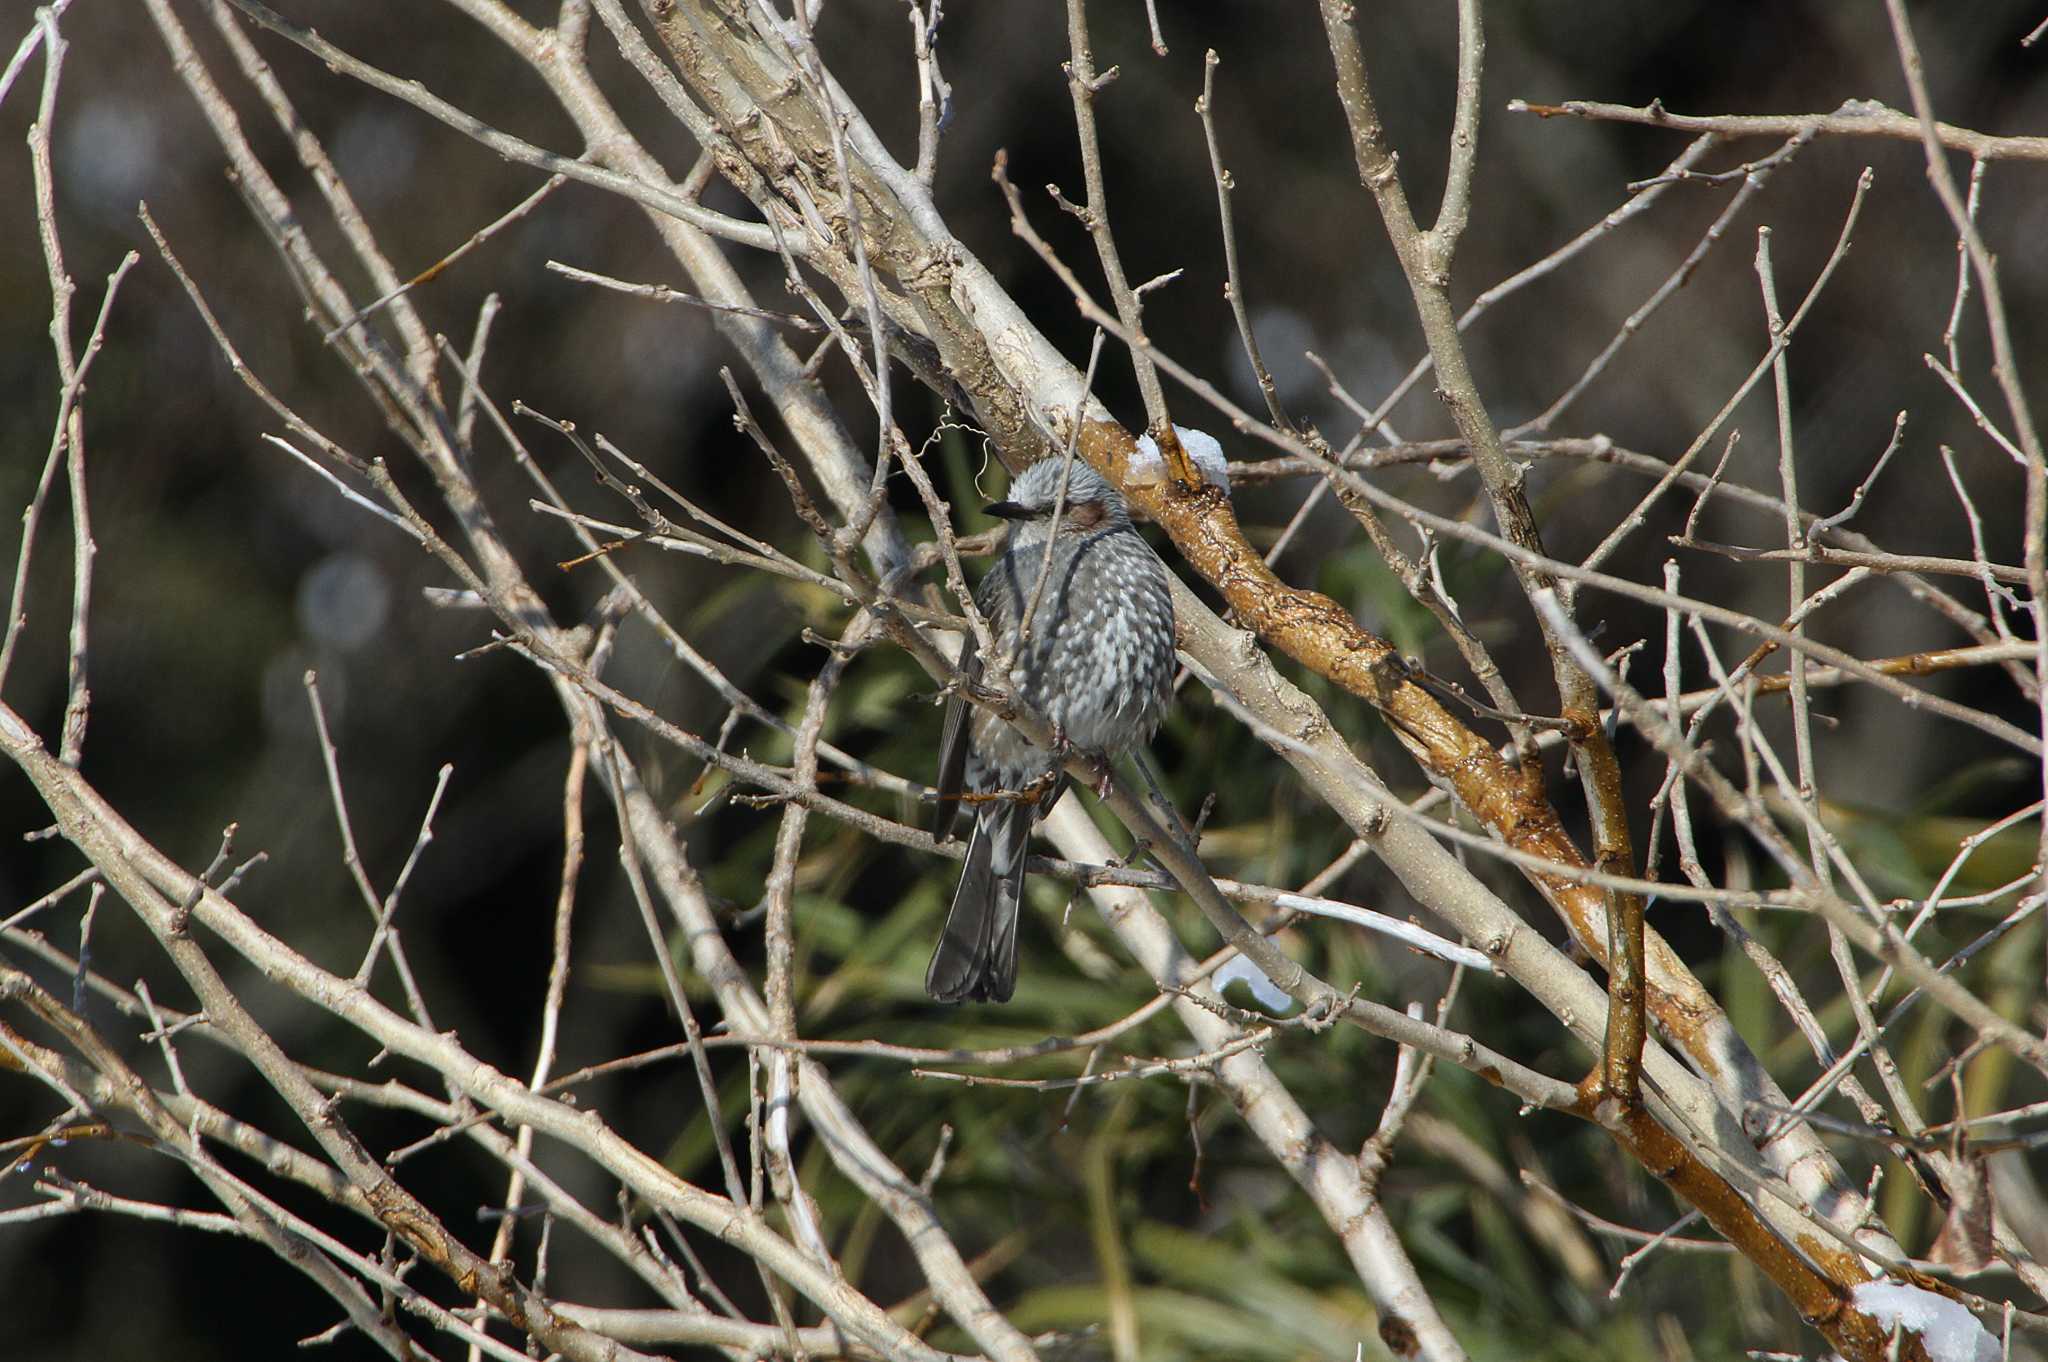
{"points": [[999, 602], [953, 744]]}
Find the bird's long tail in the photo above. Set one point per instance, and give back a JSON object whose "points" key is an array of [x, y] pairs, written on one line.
{"points": [[976, 956]]}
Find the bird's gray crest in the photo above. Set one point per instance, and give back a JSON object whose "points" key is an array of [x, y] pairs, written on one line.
{"points": [[1038, 487]]}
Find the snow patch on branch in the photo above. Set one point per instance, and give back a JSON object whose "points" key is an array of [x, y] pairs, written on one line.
{"points": [[1948, 1331], [1148, 465]]}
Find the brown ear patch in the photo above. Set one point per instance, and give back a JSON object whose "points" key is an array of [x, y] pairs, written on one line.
{"points": [[1085, 515]]}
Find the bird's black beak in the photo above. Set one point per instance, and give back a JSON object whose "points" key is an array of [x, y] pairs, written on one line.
{"points": [[1008, 510]]}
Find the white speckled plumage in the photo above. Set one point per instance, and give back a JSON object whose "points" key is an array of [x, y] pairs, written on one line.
{"points": [[1098, 666]]}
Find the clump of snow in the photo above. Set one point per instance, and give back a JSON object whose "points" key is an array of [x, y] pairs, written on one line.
{"points": [[1949, 1332], [1237, 969], [1148, 465], [1415, 936]]}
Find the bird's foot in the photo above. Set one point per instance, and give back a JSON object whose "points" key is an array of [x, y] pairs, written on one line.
{"points": [[1104, 776]]}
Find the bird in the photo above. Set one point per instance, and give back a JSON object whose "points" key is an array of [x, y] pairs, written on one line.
{"points": [[1097, 664]]}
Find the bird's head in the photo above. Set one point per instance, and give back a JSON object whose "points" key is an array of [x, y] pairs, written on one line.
{"points": [[1091, 503]]}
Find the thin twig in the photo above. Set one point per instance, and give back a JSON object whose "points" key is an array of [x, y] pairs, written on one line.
{"points": [[1856, 118], [1059, 504]]}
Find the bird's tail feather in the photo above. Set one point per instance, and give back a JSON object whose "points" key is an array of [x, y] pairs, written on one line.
{"points": [[976, 957]]}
